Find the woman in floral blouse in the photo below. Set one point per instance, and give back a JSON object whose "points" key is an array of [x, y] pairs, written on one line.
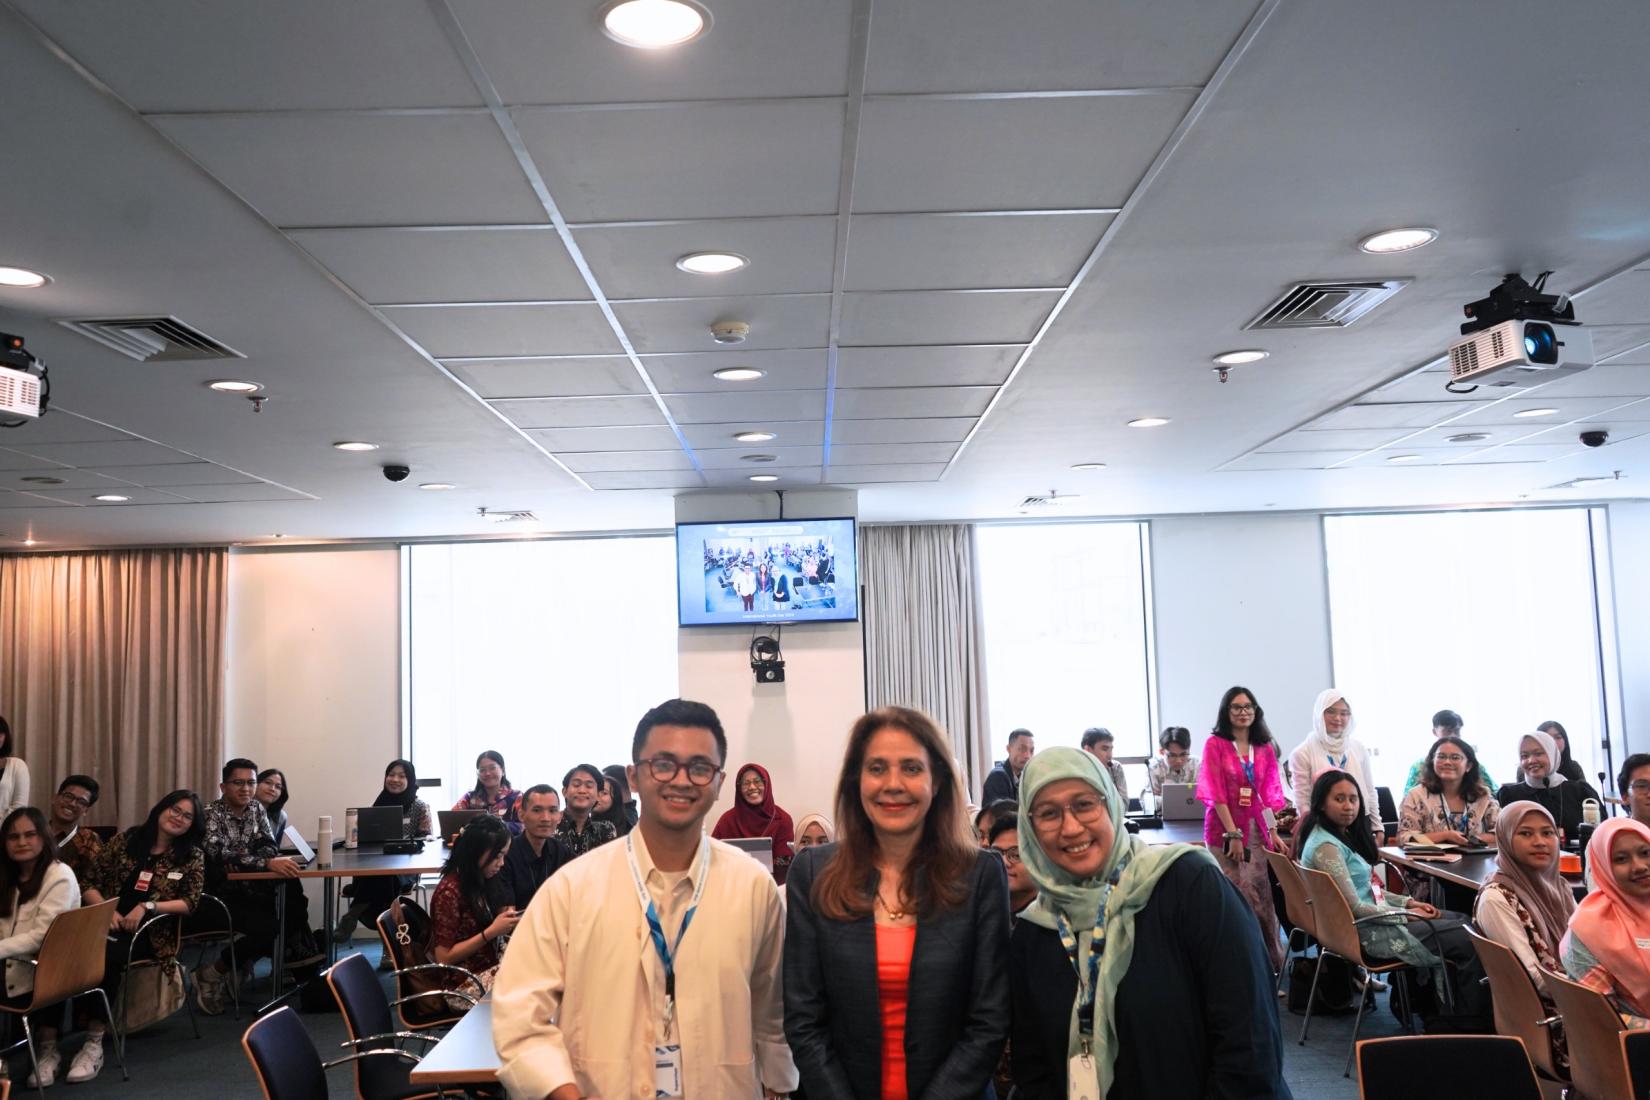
{"points": [[492, 792], [469, 933], [1451, 804]]}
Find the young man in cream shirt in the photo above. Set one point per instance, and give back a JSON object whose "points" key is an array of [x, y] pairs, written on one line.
{"points": [[585, 1005]]}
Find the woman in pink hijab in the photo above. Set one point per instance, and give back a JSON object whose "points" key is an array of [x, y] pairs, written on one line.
{"points": [[1608, 945]]}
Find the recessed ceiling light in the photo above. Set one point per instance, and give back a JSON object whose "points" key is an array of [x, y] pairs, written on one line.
{"points": [[235, 385], [1089, 466], [437, 486], [21, 278], [355, 445], [712, 263], [1404, 458], [1398, 240], [28, 542], [1523, 413], [738, 374], [758, 458], [41, 479], [1469, 437], [753, 437], [1149, 422], [112, 498], [1238, 358], [654, 24], [764, 477]]}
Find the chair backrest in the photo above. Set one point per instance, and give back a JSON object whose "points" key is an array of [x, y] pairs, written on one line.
{"points": [[1518, 1007], [284, 1057], [1635, 1051], [71, 955], [366, 1012], [1331, 916], [1592, 1030], [1296, 905], [1446, 1065], [406, 942]]}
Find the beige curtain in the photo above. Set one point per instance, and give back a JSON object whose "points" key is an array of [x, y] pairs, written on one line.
{"points": [[922, 632], [111, 664]]}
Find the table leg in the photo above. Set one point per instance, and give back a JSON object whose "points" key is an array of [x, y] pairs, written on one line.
{"points": [[277, 967], [329, 916]]}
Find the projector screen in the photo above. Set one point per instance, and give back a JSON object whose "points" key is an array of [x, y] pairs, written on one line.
{"points": [[766, 571]]}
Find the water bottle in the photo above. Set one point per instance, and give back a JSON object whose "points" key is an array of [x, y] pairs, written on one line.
{"points": [[323, 842], [352, 829]]}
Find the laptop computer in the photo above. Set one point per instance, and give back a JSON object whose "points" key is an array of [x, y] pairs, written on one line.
{"points": [[306, 854], [759, 848], [376, 824], [452, 822], [1179, 803]]}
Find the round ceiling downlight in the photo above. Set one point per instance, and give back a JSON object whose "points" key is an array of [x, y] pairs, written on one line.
{"points": [[1388, 241], [738, 374], [21, 278], [712, 263], [1240, 357], [654, 24]]}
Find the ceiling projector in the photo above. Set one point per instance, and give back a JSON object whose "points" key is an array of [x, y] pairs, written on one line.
{"points": [[20, 377], [1519, 336]]}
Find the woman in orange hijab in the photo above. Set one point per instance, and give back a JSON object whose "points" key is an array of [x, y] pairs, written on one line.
{"points": [[1608, 945]]}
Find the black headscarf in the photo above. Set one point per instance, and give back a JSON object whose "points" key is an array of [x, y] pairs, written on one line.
{"points": [[407, 797]]}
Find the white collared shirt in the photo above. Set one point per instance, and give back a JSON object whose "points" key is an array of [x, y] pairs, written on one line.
{"points": [[580, 995]]}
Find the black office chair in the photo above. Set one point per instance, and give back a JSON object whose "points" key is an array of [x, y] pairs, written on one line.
{"points": [[286, 1061], [1446, 1065], [366, 1011], [1389, 813], [1635, 1047]]}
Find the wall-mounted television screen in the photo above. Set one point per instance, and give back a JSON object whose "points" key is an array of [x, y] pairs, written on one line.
{"points": [[767, 571]]}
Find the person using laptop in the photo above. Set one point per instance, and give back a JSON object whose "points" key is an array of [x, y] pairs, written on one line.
{"points": [[1174, 762], [77, 847], [571, 1016], [579, 828], [492, 792], [537, 853], [370, 895]]}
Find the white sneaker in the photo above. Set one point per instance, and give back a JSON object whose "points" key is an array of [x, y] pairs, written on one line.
{"points": [[50, 1061], [88, 1063]]}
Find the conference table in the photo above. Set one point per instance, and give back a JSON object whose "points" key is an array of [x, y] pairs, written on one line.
{"points": [[1470, 872], [1175, 832], [465, 1056]]}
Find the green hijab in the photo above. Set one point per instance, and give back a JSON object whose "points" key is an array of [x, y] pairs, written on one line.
{"points": [[1079, 900]]}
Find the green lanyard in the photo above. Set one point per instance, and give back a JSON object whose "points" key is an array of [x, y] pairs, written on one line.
{"points": [[1086, 991]]}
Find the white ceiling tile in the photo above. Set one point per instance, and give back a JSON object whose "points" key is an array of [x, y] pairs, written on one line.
{"points": [[605, 462], [654, 479], [935, 429], [885, 454], [871, 475], [909, 252], [230, 57], [17, 460], [1008, 154], [87, 498], [862, 368], [230, 494], [1637, 411], [1611, 341], [787, 256], [1426, 456], [1621, 301], [784, 457], [457, 265], [788, 433], [936, 45], [1295, 460], [325, 169], [1396, 414], [1440, 436], [635, 437], [69, 479], [1502, 414], [1343, 439], [61, 426], [117, 453], [684, 324], [755, 405], [470, 332], [722, 160], [1523, 452], [176, 473], [1428, 387], [28, 500], [802, 369], [588, 377], [740, 479], [755, 48], [1612, 380], [581, 412], [890, 402], [944, 317]]}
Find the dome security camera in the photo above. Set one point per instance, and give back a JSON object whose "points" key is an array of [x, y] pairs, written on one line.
{"points": [[397, 473], [1597, 437]]}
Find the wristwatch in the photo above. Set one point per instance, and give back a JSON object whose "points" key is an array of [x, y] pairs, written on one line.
{"points": [[149, 906]]}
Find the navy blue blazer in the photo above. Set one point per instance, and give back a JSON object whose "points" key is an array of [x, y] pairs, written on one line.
{"points": [[957, 1014]]}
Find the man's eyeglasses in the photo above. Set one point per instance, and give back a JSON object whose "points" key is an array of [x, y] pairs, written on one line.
{"points": [[665, 768], [1011, 856], [75, 799], [240, 782], [1639, 786]]}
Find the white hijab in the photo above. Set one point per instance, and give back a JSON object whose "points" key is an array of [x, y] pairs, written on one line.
{"points": [[1545, 740], [1320, 737]]}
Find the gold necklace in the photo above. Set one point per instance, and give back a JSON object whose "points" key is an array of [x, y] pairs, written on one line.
{"points": [[893, 914]]}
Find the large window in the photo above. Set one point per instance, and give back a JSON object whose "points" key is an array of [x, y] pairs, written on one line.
{"points": [[1490, 614], [546, 651], [1067, 634]]}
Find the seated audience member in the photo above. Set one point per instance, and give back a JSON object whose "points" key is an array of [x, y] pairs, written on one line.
{"points": [[1099, 741], [579, 829], [76, 846], [1567, 766], [467, 928], [1174, 762], [1603, 948], [238, 839], [1537, 755], [1446, 723], [1633, 782], [1331, 747], [988, 815], [535, 854], [610, 806], [1450, 805], [370, 895], [1005, 841], [627, 800], [756, 814], [1526, 906], [812, 831], [1182, 1002], [1335, 839], [492, 791], [14, 773], [1004, 780], [35, 887], [154, 868], [271, 793]]}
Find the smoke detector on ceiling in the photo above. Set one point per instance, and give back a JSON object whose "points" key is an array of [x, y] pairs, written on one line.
{"points": [[729, 332]]}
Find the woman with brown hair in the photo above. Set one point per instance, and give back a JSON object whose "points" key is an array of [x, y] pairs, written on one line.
{"points": [[896, 938]]}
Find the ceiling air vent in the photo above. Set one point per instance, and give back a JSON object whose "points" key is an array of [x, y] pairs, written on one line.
{"points": [[506, 515], [1049, 500], [1325, 305], [153, 339]]}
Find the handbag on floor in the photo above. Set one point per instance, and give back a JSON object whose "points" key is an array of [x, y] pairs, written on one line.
{"points": [[1337, 992], [151, 991]]}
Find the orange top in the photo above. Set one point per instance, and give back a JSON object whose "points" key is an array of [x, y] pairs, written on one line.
{"points": [[894, 946]]}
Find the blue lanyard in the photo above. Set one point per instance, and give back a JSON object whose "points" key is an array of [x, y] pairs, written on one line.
{"points": [[1450, 821], [1248, 767], [1338, 765], [667, 952], [1097, 947]]}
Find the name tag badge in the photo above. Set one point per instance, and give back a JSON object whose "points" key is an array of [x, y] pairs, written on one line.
{"points": [[174, 875], [143, 880], [667, 1071], [1644, 945], [1081, 1081], [1246, 796]]}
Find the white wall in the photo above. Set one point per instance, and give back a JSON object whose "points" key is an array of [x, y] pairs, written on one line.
{"points": [[1240, 599], [1630, 573], [795, 729]]}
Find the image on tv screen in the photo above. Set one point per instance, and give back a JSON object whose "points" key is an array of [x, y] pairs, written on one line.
{"points": [[766, 572]]}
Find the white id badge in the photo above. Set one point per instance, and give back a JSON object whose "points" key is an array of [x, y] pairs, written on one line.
{"points": [[1080, 1078], [667, 1071]]}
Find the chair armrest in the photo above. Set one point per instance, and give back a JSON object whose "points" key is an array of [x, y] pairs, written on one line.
{"points": [[1380, 916], [391, 1052], [399, 1001], [445, 966], [389, 1035]]}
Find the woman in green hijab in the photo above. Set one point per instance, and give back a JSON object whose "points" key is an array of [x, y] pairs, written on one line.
{"points": [[1151, 930]]}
